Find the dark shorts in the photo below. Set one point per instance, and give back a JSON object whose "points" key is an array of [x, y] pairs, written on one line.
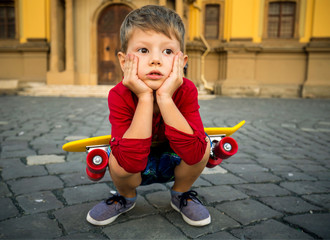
{"points": [[162, 161]]}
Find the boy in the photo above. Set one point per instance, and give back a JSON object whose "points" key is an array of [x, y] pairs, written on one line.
{"points": [[157, 132]]}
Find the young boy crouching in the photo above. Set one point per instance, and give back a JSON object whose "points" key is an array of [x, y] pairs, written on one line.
{"points": [[157, 132]]}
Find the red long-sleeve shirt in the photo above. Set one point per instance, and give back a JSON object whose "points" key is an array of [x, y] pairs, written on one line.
{"points": [[132, 154]]}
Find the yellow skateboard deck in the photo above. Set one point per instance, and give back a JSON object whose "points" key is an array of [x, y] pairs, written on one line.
{"points": [[80, 145]]}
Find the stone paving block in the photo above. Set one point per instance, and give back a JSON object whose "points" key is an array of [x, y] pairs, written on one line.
{"points": [[258, 177], [38, 202], [151, 227], [73, 218], [44, 141], [160, 200], [29, 185], [219, 194], [37, 226], [75, 179], [4, 191], [282, 168], [66, 167], [311, 168], [269, 229], [262, 189], [219, 222], [75, 138], [323, 176], [44, 159], [76, 156], [14, 146], [305, 187], [151, 188], [315, 223], [14, 168], [17, 154], [86, 193], [296, 176], [302, 161], [289, 204], [270, 159], [8, 209], [200, 182], [219, 235], [141, 209], [216, 170], [247, 211], [243, 168], [223, 179], [319, 199], [50, 150], [81, 178], [82, 236], [238, 159]]}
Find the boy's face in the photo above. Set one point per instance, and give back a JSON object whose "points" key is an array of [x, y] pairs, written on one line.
{"points": [[155, 52]]}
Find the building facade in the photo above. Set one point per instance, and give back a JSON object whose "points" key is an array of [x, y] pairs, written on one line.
{"points": [[261, 48]]}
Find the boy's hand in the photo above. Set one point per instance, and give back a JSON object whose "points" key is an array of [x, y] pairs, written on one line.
{"points": [[131, 79], [174, 81]]}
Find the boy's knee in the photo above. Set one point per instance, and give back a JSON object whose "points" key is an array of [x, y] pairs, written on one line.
{"points": [[121, 170], [207, 153], [205, 157]]}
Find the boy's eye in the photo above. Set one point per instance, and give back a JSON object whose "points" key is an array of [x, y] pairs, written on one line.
{"points": [[168, 51], [143, 50]]}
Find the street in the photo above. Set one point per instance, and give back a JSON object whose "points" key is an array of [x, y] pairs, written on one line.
{"points": [[276, 187]]}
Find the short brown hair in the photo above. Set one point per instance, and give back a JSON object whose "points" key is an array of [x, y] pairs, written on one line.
{"points": [[152, 18]]}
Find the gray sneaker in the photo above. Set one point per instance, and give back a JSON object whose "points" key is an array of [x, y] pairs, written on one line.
{"points": [[107, 211], [192, 210]]}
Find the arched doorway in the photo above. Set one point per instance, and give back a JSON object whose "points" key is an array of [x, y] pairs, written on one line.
{"points": [[108, 43]]}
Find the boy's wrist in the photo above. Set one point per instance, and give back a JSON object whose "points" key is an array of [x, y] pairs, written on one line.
{"points": [[163, 98], [146, 96]]}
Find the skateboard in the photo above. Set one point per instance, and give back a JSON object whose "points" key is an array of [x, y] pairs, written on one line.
{"points": [[97, 149]]}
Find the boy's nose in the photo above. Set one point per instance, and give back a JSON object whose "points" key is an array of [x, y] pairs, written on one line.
{"points": [[155, 60]]}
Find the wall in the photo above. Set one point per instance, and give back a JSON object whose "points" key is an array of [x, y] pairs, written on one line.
{"points": [[25, 58]]}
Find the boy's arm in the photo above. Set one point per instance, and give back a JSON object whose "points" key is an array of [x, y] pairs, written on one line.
{"points": [[141, 125], [184, 128], [169, 111], [131, 126]]}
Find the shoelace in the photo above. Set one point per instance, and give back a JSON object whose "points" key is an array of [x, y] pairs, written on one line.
{"points": [[188, 195], [116, 198]]}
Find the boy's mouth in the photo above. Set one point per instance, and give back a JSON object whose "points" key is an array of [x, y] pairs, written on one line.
{"points": [[154, 75]]}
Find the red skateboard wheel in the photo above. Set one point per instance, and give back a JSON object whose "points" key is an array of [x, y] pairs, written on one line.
{"points": [[213, 162], [226, 148], [94, 176], [97, 161]]}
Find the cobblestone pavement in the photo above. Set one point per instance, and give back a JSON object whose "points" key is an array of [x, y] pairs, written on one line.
{"points": [[276, 187]]}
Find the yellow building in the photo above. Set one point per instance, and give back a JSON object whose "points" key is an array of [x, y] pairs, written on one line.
{"points": [[267, 48]]}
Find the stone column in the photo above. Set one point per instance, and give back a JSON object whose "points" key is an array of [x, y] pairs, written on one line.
{"points": [[53, 36], [162, 2], [69, 52], [317, 84], [179, 7]]}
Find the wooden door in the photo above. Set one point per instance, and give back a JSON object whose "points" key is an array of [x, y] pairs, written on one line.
{"points": [[109, 22]]}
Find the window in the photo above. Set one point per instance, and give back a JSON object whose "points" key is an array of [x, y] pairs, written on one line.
{"points": [[7, 19], [211, 25], [281, 19]]}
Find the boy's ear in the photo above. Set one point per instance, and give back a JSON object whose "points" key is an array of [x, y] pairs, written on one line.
{"points": [[185, 60], [121, 58]]}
